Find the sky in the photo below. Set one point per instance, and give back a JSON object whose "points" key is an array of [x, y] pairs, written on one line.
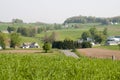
{"points": [[56, 11]]}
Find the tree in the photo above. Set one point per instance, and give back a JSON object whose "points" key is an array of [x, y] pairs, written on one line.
{"points": [[99, 37], [30, 32], [2, 40], [85, 35], [15, 40], [53, 37], [105, 22], [17, 21], [105, 31], [11, 29], [86, 45], [93, 32], [46, 47]]}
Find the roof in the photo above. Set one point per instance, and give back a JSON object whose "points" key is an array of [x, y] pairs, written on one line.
{"points": [[117, 36]]}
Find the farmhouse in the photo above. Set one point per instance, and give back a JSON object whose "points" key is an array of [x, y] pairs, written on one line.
{"points": [[30, 45], [0, 47], [113, 40]]}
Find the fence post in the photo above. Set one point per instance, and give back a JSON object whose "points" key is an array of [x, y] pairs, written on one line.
{"points": [[113, 57]]}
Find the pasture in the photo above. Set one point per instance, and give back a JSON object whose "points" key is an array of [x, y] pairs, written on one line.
{"points": [[75, 33]]}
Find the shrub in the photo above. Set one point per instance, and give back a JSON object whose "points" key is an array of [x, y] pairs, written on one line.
{"points": [[86, 45]]}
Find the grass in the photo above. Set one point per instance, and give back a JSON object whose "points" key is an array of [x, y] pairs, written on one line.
{"points": [[56, 66], [75, 34], [71, 33], [111, 47]]}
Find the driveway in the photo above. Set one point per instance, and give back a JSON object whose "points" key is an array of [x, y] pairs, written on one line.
{"points": [[69, 53]]}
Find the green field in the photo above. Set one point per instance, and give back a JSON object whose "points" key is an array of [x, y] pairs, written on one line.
{"points": [[70, 32], [56, 66], [75, 34], [111, 47]]}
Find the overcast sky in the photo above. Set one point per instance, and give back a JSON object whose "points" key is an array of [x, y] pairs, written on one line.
{"points": [[56, 11]]}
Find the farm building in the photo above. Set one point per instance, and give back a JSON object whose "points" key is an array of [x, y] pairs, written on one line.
{"points": [[113, 40], [30, 45]]}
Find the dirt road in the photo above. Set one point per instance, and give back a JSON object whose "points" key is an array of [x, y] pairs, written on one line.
{"points": [[69, 53], [100, 53]]}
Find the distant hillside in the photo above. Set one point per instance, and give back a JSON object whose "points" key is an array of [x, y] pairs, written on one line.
{"points": [[20, 23], [91, 19]]}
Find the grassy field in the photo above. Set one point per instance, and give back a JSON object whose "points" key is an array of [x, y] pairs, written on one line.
{"points": [[111, 47], [56, 66], [75, 34], [71, 33]]}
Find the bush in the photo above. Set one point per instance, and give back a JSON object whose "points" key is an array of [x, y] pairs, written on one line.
{"points": [[86, 45]]}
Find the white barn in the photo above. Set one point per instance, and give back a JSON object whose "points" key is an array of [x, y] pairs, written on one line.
{"points": [[113, 40]]}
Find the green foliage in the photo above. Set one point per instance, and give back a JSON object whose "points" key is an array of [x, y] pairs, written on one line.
{"points": [[57, 67], [29, 32], [119, 46], [2, 40], [95, 35], [53, 37], [105, 22], [85, 35], [15, 40], [11, 29], [93, 31], [17, 21], [105, 31], [46, 47], [99, 37], [86, 45], [66, 44], [90, 19]]}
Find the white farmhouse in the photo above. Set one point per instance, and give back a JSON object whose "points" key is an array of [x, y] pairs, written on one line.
{"points": [[30, 45]]}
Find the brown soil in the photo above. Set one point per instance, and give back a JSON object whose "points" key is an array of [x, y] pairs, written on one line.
{"points": [[100, 53], [20, 51]]}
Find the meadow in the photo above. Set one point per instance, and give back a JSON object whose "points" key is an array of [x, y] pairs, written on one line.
{"points": [[56, 66], [75, 33]]}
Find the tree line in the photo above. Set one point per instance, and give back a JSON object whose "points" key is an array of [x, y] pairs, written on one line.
{"points": [[70, 44], [90, 19], [32, 31]]}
